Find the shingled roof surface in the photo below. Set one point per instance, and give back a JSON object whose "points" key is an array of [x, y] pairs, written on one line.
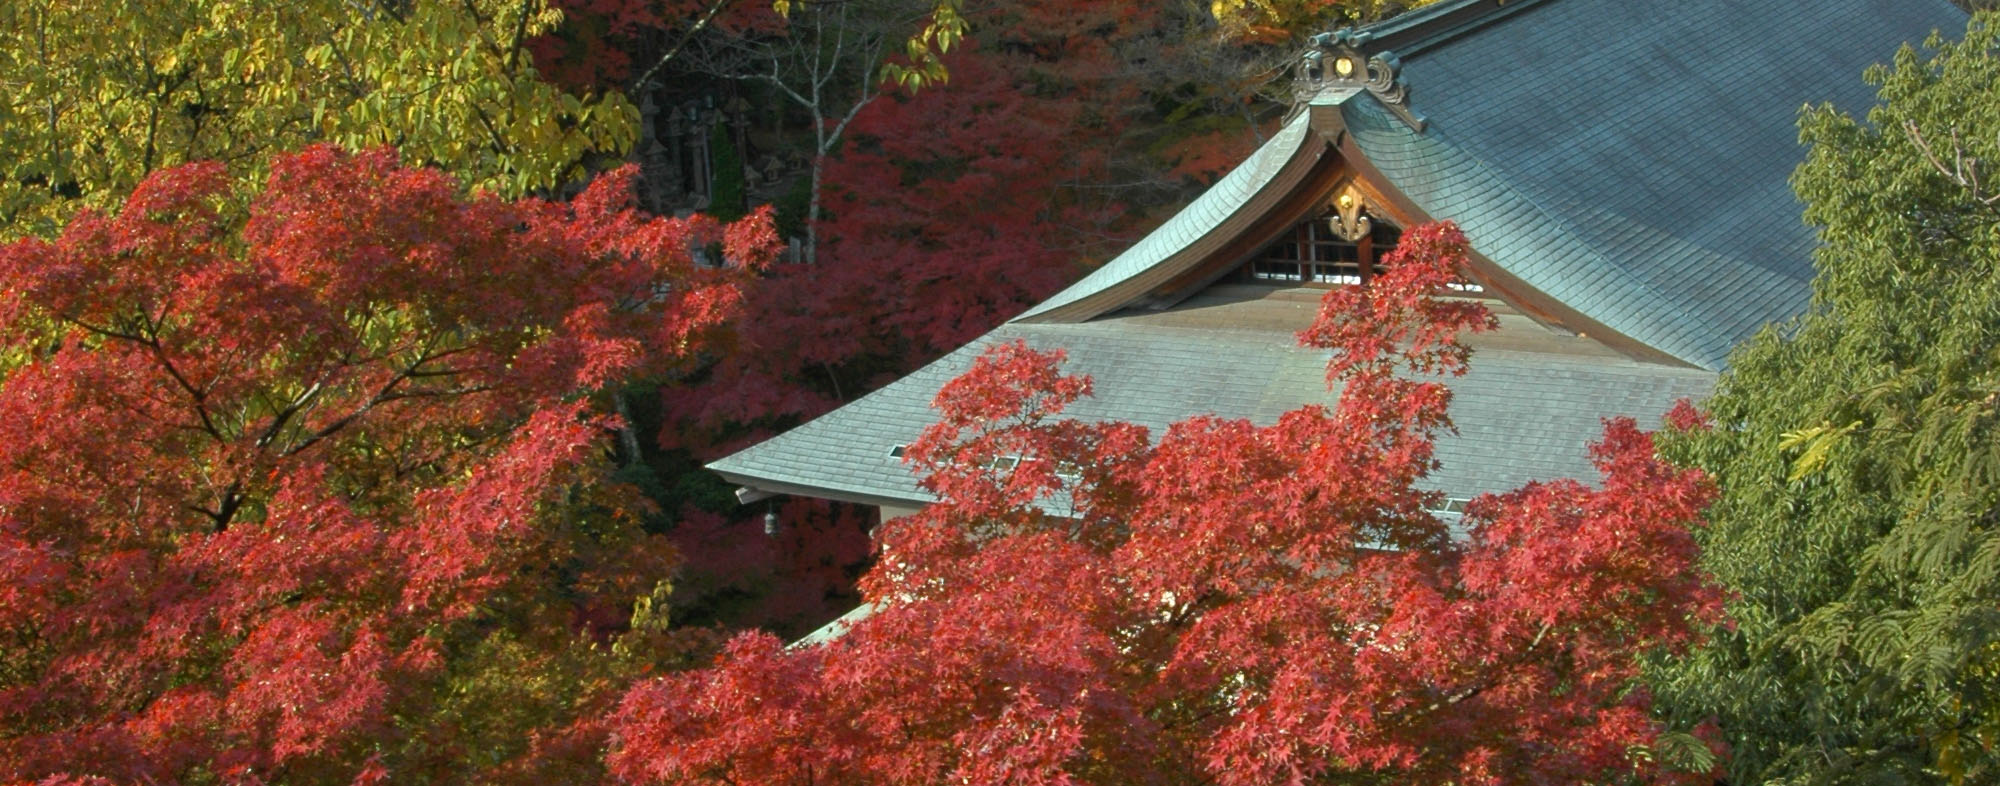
{"points": [[1522, 415], [1632, 159]]}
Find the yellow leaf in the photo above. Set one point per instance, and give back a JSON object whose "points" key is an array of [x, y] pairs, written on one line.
{"points": [[1816, 443]]}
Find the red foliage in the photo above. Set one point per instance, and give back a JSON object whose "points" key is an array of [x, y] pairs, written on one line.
{"points": [[1206, 157], [1221, 606], [265, 477], [791, 582], [936, 232], [605, 44], [950, 214]]}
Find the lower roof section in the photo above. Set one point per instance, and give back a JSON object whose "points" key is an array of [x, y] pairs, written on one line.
{"points": [[1526, 411]]}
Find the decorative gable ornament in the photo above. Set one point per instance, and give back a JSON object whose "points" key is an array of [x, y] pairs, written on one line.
{"points": [[1348, 221], [1337, 61]]}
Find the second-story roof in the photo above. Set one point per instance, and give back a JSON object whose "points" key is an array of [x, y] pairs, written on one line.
{"points": [[1629, 161]]}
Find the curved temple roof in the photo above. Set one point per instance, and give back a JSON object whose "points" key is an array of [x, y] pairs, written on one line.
{"points": [[1625, 161], [1629, 161], [1207, 214]]}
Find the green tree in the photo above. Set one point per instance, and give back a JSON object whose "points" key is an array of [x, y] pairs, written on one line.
{"points": [[727, 203], [1859, 521], [99, 93]]}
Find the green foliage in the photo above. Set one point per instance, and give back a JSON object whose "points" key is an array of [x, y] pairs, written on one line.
{"points": [[922, 64], [1289, 19], [729, 197], [1859, 524], [793, 207], [101, 92]]}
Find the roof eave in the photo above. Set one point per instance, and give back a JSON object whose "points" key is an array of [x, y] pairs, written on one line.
{"points": [[780, 487], [1294, 171]]}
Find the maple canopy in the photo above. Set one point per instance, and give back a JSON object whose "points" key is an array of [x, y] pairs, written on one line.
{"points": [[307, 490], [1233, 604]]}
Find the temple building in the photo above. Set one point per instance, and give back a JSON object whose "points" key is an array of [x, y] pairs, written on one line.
{"points": [[1620, 167]]}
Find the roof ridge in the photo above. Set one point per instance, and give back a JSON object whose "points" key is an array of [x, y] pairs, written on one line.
{"points": [[1431, 25]]}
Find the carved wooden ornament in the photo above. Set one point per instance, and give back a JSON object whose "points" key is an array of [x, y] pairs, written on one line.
{"points": [[1349, 221], [1337, 60]]}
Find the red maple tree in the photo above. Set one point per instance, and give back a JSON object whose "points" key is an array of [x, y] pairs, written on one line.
{"points": [[1234, 604], [951, 210], [607, 44], [304, 488]]}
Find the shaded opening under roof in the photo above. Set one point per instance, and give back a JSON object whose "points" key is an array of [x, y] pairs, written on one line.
{"points": [[1320, 252]]}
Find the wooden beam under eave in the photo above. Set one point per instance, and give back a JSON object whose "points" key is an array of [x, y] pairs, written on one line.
{"points": [[1279, 215], [1328, 122], [1333, 175], [1282, 215]]}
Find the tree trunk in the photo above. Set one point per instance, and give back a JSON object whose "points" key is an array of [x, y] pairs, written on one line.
{"points": [[810, 253]]}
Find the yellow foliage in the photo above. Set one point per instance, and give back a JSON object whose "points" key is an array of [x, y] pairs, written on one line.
{"points": [[1269, 19], [1815, 444], [94, 94], [925, 50]]}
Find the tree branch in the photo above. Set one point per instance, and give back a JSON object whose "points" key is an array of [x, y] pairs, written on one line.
{"points": [[1964, 171], [639, 85], [388, 393], [520, 32]]}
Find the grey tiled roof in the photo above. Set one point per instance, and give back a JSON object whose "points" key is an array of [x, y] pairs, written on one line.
{"points": [[1522, 415], [1199, 218], [1631, 159]]}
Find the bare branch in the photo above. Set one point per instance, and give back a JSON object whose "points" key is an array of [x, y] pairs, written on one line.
{"points": [[1964, 169], [646, 79], [387, 393]]}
